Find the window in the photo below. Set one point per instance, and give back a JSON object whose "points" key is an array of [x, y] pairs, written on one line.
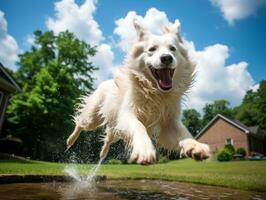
{"points": [[229, 141]]}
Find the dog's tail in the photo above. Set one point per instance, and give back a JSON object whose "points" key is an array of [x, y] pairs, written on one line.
{"points": [[73, 137]]}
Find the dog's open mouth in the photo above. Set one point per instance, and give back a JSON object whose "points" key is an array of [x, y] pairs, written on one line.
{"points": [[163, 76]]}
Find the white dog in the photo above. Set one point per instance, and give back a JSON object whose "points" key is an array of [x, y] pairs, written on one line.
{"points": [[144, 98]]}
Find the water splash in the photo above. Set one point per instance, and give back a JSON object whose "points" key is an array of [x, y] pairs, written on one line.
{"points": [[91, 176], [82, 184], [73, 172]]}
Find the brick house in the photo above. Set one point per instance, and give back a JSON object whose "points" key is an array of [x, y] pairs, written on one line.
{"points": [[221, 130]]}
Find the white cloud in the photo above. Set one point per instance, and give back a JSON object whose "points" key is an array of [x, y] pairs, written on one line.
{"points": [[154, 20], [8, 46], [237, 9], [79, 20], [255, 87], [214, 79], [102, 60]]}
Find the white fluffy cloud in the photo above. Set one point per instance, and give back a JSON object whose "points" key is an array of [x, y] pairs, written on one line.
{"points": [[154, 20], [214, 79], [237, 9], [79, 20], [8, 45], [102, 61]]}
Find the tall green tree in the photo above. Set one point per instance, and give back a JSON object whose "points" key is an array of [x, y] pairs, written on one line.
{"points": [[218, 107], [261, 106], [247, 111], [52, 75], [252, 111], [192, 120]]}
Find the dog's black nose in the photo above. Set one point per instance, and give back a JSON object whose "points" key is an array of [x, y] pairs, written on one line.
{"points": [[166, 59]]}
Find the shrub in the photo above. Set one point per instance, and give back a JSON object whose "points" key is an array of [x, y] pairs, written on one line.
{"points": [[230, 148], [163, 159], [114, 162], [241, 151], [224, 155]]}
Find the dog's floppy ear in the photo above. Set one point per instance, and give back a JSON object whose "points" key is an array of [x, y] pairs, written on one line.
{"points": [[141, 32], [174, 28]]}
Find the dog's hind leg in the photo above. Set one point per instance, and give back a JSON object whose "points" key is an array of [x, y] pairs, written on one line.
{"points": [[109, 139], [87, 117], [73, 137]]}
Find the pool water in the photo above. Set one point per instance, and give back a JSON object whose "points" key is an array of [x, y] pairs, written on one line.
{"points": [[122, 190]]}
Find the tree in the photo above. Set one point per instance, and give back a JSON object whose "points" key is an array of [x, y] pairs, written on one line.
{"points": [[218, 107], [52, 75], [261, 106], [247, 111], [252, 111], [192, 120]]}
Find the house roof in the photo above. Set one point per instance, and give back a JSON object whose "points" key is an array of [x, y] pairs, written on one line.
{"points": [[236, 123], [251, 129], [7, 82]]}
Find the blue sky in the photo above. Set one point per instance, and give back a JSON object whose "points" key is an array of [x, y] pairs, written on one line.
{"points": [[205, 23]]}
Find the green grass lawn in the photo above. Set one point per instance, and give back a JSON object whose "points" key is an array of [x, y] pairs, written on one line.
{"points": [[246, 175]]}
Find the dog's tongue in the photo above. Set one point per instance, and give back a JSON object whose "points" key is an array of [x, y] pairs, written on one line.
{"points": [[164, 78]]}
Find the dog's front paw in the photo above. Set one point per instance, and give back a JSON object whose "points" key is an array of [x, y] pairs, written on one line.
{"points": [[144, 154], [196, 150]]}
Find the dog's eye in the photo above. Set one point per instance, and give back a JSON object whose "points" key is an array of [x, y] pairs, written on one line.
{"points": [[152, 49], [172, 48]]}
